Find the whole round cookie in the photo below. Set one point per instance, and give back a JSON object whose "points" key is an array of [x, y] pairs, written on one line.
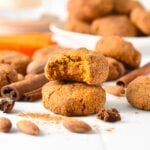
{"points": [[141, 18], [87, 10], [114, 25], [46, 52], [73, 99], [138, 93], [17, 60], [126, 6], [117, 48], [7, 75], [116, 69]]}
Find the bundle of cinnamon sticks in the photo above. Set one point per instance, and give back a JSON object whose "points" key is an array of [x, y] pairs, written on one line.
{"points": [[25, 90]]}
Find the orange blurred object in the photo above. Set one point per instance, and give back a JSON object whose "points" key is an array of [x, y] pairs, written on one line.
{"points": [[26, 43]]}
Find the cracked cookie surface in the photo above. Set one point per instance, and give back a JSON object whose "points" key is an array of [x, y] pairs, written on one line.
{"points": [[79, 65], [113, 25], [73, 99], [7, 75], [119, 49], [138, 93], [17, 60]]}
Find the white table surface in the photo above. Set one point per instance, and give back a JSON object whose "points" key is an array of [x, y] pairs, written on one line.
{"points": [[131, 133]]}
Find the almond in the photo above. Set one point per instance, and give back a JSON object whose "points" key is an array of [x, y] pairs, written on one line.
{"points": [[76, 126], [28, 127], [36, 67], [20, 77], [115, 90], [5, 124]]}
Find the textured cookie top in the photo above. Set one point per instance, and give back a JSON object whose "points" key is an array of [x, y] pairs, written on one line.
{"points": [[10, 55], [88, 10], [118, 25], [7, 75], [78, 65], [116, 47], [141, 18], [46, 52], [17, 60], [138, 93], [72, 98]]}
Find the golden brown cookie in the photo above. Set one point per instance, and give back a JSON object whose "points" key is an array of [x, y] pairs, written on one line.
{"points": [[15, 59], [7, 75], [141, 18], [73, 99], [114, 25], [126, 6], [138, 93], [116, 47], [116, 69], [75, 25], [46, 52], [88, 10], [78, 65]]}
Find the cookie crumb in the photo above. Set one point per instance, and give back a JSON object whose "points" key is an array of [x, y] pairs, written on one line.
{"points": [[109, 115], [110, 130]]}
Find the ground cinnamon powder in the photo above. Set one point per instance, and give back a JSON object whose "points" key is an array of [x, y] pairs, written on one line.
{"points": [[43, 117]]}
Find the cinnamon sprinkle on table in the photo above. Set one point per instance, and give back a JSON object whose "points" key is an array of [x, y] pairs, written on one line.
{"points": [[110, 129], [43, 117]]}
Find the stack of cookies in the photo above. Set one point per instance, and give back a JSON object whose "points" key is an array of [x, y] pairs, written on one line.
{"points": [[75, 82]]}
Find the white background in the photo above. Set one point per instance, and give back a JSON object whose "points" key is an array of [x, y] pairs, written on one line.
{"points": [[132, 133]]}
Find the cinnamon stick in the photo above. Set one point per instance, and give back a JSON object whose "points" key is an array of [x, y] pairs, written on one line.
{"points": [[125, 80], [26, 89], [33, 95]]}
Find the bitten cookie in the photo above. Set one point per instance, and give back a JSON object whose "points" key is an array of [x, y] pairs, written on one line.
{"points": [[116, 47], [114, 25], [46, 52], [73, 99], [15, 59], [138, 93], [7, 75], [116, 69], [141, 18], [78, 65], [77, 26]]}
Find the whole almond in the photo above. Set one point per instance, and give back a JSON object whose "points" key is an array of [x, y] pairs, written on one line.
{"points": [[76, 126], [36, 67], [115, 90], [20, 77], [28, 127], [5, 124]]}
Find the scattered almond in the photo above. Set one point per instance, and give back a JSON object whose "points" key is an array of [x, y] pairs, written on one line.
{"points": [[36, 67], [115, 90], [5, 124], [76, 126], [28, 127], [20, 77]]}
